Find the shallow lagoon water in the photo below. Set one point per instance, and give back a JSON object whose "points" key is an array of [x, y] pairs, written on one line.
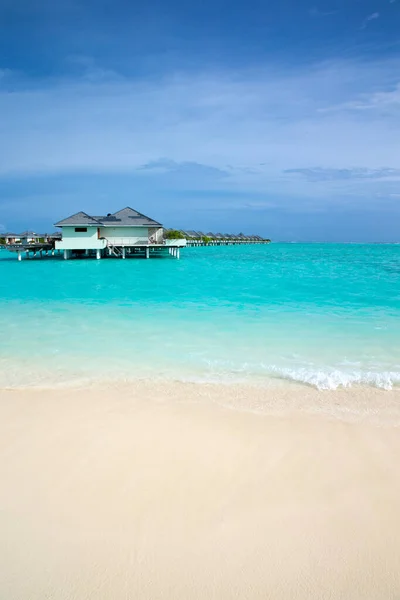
{"points": [[326, 315]]}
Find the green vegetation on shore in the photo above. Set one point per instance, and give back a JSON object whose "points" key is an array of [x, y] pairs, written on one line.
{"points": [[173, 234]]}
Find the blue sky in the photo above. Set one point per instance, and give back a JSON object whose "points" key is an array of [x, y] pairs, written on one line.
{"points": [[279, 118]]}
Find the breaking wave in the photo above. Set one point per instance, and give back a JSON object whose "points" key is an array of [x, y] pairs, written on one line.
{"points": [[320, 378], [332, 380]]}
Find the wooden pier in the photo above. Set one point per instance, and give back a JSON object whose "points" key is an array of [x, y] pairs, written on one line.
{"points": [[35, 250]]}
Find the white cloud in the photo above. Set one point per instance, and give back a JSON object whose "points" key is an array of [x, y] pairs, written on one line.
{"points": [[238, 130], [320, 174], [316, 12], [371, 17], [378, 100]]}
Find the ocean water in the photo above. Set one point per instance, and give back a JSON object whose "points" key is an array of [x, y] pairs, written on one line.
{"points": [[326, 315]]}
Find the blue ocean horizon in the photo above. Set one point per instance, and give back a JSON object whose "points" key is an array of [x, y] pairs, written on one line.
{"points": [[325, 315]]}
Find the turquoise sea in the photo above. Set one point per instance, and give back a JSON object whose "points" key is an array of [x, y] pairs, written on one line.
{"points": [[325, 315]]}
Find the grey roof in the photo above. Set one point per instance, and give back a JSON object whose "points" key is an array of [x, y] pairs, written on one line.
{"points": [[127, 217], [31, 234], [191, 234], [80, 218], [21, 235], [194, 234], [28, 234]]}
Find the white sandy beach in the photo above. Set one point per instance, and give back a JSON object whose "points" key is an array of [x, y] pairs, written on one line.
{"points": [[183, 491]]}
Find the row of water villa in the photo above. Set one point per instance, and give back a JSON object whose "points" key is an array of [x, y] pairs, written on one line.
{"points": [[123, 234], [198, 238]]}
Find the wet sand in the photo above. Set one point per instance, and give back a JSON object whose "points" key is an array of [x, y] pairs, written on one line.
{"points": [[183, 491]]}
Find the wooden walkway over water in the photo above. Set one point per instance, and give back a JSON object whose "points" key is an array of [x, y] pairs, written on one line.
{"points": [[43, 250], [125, 249]]}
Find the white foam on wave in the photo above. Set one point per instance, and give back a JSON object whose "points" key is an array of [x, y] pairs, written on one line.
{"points": [[323, 378], [334, 379]]}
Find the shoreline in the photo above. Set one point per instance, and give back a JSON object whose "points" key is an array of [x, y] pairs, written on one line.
{"points": [[26, 374], [281, 397]]}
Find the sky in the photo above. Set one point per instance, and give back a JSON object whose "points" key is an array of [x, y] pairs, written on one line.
{"points": [[279, 117]]}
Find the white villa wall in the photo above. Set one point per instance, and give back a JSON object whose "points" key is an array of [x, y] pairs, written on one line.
{"points": [[125, 236], [92, 239], [75, 240]]}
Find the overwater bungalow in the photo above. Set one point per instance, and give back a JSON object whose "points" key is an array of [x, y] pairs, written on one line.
{"points": [[29, 237], [9, 237], [120, 234]]}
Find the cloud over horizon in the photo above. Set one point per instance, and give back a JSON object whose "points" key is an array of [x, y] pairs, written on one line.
{"points": [[249, 129], [246, 126]]}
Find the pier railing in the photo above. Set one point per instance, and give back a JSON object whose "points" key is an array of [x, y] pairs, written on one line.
{"points": [[129, 241]]}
